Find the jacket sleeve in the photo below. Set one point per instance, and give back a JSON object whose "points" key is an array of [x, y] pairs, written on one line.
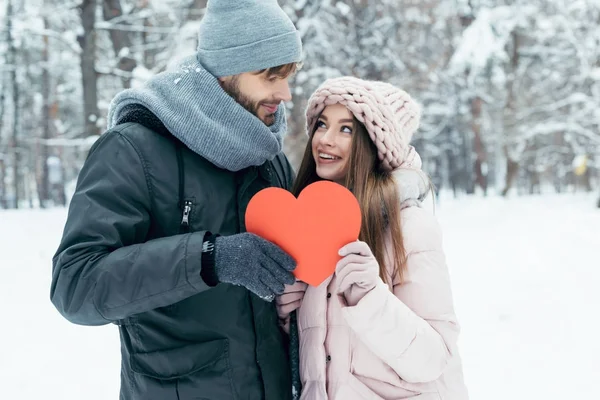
{"points": [[412, 329], [104, 269]]}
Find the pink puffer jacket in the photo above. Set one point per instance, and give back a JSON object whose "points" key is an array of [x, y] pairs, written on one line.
{"points": [[399, 341]]}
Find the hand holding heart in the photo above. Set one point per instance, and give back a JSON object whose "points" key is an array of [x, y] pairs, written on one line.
{"points": [[311, 228], [357, 273], [290, 301]]}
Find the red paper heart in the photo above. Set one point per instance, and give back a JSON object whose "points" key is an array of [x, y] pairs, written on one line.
{"points": [[311, 229]]}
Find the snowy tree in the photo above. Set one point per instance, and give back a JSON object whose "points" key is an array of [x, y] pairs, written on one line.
{"points": [[510, 89], [62, 65], [526, 62], [390, 40]]}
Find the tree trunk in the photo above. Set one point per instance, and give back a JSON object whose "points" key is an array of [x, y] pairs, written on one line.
{"points": [[534, 182], [88, 68], [3, 204], [512, 166], [467, 164], [480, 155], [16, 126], [499, 155], [3, 99], [44, 183], [470, 167], [149, 53], [196, 5], [120, 40], [587, 180], [57, 186]]}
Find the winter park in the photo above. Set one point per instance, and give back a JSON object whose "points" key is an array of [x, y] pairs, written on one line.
{"points": [[299, 199]]}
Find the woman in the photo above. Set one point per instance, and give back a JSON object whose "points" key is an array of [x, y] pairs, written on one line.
{"points": [[383, 326]]}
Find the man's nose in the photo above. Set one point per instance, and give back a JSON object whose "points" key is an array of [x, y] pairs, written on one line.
{"points": [[283, 91]]}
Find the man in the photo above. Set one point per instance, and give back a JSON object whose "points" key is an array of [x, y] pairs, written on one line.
{"points": [[154, 239]]}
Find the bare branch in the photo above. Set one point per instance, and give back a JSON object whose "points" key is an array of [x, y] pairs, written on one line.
{"points": [[103, 25], [55, 35]]}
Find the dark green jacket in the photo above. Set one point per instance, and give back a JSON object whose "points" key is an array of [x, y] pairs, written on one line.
{"points": [[124, 260]]}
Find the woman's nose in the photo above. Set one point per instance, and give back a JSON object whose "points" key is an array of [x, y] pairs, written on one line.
{"points": [[328, 138]]}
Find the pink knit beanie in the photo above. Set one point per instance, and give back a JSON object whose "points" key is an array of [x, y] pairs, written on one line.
{"points": [[389, 114]]}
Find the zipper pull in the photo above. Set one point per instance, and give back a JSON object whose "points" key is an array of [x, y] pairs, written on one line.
{"points": [[187, 209]]}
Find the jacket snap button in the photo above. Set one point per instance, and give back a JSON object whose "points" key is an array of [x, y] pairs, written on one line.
{"points": [[328, 358], [328, 295]]}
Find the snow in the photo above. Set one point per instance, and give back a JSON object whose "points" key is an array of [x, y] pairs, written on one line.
{"points": [[85, 143], [300, 4], [161, 6], [486, 37], [525, 280], [125, 52], [43, 355], [186, 42], [344, 8], [595, 74], [579, 161], [525, 274]]}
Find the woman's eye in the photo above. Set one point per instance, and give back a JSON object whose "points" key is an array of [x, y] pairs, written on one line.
{"points": [[321, 125], [346, 129]]}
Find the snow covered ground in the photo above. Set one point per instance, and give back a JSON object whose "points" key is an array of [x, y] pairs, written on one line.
{"points": [[526, 279]]}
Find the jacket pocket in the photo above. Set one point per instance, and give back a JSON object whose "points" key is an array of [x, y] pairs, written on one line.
{"points": [[354, 388], [180, 361], [199, 371]]}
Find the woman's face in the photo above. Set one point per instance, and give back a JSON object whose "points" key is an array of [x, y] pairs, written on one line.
{"points": [[332, 143]]}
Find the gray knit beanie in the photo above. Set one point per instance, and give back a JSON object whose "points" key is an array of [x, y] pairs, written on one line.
{"points": [[239, 36]]}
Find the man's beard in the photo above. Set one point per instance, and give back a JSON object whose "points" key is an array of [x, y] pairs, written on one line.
{"points": [[232, 88]]}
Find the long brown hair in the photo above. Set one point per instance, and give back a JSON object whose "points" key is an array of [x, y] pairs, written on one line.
{"points": [[377, 195]]}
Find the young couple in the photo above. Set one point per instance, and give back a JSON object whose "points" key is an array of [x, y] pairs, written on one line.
{"points": [[155, 238]]}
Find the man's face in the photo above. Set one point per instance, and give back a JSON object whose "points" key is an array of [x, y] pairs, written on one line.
{"points": [[258, 92]]}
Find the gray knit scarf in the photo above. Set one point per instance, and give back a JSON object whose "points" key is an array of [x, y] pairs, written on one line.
{"points": [[196, 110]]}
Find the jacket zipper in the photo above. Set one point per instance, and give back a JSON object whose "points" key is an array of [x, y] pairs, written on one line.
{"points": [[185, 219]]}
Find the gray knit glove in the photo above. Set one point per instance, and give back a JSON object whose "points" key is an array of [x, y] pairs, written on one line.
{"points": [[248, 260]]}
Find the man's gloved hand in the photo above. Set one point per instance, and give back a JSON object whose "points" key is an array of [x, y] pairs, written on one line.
{"points": [[248, 260]]}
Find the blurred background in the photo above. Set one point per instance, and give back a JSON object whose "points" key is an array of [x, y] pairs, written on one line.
{"points": [[510, 89], [510, 137]]}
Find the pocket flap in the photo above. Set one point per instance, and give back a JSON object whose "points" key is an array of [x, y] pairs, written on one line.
{"points": [[180, 361]]}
